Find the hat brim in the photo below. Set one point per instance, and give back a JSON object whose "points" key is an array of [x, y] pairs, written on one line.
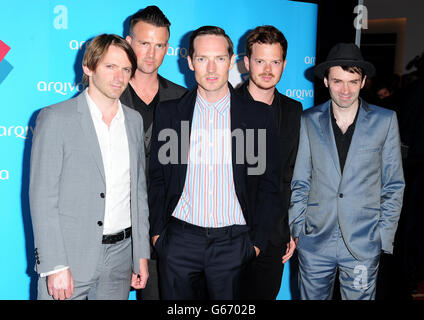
{"points": [[368, 68]]}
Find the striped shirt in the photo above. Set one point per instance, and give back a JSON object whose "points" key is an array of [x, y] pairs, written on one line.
{"points": [[209, 199]]}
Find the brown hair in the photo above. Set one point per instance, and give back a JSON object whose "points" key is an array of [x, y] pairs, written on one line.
{"points": [[97, 48], [209, 30], [351, 69], [266, 35]]}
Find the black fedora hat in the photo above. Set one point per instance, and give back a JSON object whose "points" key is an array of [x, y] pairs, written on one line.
{"points": [[344, 54]]}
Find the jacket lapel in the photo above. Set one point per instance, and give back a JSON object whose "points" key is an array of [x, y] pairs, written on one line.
{"points": [[328, 134], [182, 125], [237, 122], [87, 126], [132, 143], [359, 133]]}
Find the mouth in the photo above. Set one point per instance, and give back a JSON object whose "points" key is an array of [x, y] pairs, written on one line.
{"points": [[211, 78], [267, 77]]}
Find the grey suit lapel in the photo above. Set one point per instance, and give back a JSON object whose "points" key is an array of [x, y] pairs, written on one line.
{"points": [[87, 126], [328, 134], [132, 142], [359, 132]]}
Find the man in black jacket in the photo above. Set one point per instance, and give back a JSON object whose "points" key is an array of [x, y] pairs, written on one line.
{"points": [[265, 59], [210, 150], [148, 36]]}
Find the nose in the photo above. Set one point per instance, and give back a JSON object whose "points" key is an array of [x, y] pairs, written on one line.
{"points": [[211, 66], [119, 75], [345, 88], [267, 67], [150, 51]]}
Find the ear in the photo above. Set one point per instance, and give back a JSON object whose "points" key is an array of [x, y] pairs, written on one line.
{"points": [[363, 81], [129, 39], [326, 82], [284, 65], [87, 71], [246, 63], [232, 61], [190, 63]]}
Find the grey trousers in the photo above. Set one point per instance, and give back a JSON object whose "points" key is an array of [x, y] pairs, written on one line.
{"points": [[317, 273], [111, 280]]}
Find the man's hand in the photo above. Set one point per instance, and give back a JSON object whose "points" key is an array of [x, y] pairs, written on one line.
{"points": [[290, 249], [154, 239], [61, 285], [139, 280], [257, 250]]}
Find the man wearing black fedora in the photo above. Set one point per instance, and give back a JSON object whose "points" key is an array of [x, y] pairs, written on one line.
{"points": [[348, 183]]}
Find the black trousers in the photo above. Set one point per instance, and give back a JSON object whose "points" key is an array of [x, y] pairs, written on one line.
{"points": [[198, 263], [262, 280]]}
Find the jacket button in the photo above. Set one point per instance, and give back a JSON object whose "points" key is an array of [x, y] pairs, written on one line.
{"points": [[341, 195], [102, 195], [99, 223]]}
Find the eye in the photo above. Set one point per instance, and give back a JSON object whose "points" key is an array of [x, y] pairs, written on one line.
{"points": [[200, 59], [258, 61], [222, 59], [276, 62], [127, 70]]}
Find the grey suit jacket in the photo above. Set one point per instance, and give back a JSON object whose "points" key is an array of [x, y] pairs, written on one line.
{"points": [[365, 201], [67, 189]]}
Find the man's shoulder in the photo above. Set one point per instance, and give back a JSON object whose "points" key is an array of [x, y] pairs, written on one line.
{"points": [[288, 102], [62, 108], [170, 90]]}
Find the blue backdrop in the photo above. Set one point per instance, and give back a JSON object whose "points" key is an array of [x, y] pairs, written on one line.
{"points": [[40, 64]]}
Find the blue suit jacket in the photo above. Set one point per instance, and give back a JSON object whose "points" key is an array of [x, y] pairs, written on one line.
{"points": [[365, 201]]}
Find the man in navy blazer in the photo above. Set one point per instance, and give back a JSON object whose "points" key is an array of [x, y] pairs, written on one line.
{"points": [[197, 259], [347, 185]]}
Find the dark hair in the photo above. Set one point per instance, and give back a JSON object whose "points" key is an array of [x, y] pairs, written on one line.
{"points": [[152, 15], [266, 35], [351, 69], [97, 48], [209, 30]]}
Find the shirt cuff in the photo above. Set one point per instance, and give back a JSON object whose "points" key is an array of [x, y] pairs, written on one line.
{"points": [[56, 270]]}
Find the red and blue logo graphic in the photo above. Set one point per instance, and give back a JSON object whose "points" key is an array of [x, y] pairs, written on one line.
{"points": [[5, 66]]}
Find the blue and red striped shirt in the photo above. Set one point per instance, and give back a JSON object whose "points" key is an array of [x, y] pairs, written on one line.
{"points": [[209, 198]]}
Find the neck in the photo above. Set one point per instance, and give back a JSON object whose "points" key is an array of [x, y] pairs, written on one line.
{"points": [[345, 116], [262, 95], [145, 85], [106, 105], [213, 96], [145, 80]]}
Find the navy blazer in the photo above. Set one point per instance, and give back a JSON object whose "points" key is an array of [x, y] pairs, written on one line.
{"points": [[167, 180]]}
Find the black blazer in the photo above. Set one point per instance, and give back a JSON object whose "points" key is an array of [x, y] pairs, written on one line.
{"points": [[167, 180], [287, 113]]}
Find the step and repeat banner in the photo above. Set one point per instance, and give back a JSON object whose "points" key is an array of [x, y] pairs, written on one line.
{"points": [[41, 49]]}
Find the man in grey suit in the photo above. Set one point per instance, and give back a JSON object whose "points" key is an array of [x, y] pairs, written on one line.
{"points": [[347, 185], [87, 185], [148, 36]]}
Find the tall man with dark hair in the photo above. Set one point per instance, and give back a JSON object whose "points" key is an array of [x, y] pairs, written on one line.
{"points": [[266, 51], [148, 36], [87, 189], [347, 185], [205, 226]]}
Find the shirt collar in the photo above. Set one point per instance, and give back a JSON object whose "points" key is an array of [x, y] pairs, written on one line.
{"points": [[95, 111], [221, 105]]}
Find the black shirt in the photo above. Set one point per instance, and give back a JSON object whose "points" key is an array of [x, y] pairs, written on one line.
{"points": [[146, 110], [343, 140]]}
